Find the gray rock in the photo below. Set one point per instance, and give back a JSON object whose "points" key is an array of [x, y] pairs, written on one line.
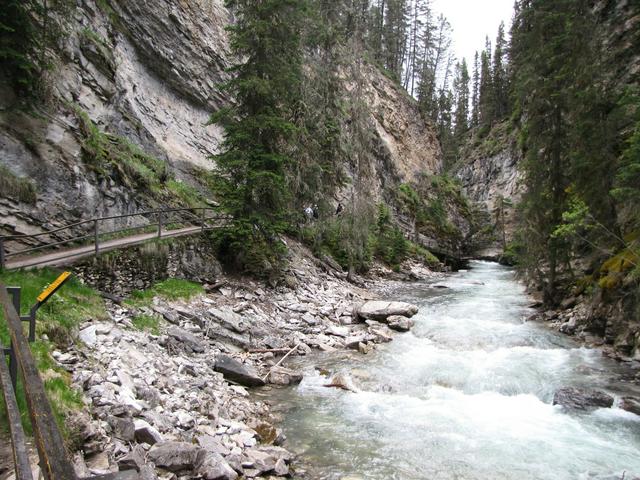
{"points": [[123, 428], [237, 372], [284, 376], [189, 340], [228, 319], [134, 460], [145, 433], [176, 456], [582, 399], [88, 335], [214, 467], [630, 404], [400, 324], [381, 310]]}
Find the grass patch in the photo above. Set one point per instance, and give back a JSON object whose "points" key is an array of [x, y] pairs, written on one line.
{"points": [[73, 304], [150, 323], [16, 188], [170, 289]]}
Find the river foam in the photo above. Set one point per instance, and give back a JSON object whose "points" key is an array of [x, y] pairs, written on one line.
{"points": [[468, 396]]}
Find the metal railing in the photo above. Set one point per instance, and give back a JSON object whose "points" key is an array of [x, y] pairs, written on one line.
{"points": [[161, 221], [54, 463]]}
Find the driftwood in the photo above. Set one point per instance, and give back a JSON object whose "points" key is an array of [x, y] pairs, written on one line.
{"points": [[281, 360], [269, 350]]}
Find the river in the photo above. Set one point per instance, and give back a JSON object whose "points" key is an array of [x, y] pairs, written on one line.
{"points": [[466, 395]]}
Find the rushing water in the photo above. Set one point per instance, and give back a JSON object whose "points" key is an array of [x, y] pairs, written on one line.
{"points": [[466, 395]]}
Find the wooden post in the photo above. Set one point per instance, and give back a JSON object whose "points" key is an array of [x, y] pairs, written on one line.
{"points": [[53, 457], [95, 236], [159, 224], [204, 213], [18, 439]]}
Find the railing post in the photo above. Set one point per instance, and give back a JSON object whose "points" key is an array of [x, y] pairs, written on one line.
{"points": [[95, 236], [204, 214], [160, 224], [2, 253]]}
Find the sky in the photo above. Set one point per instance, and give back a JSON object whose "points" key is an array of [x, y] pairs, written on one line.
{"points": [[472, 20]]}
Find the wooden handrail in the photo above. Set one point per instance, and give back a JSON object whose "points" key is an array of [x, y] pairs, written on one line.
{"points": [[48, 439]]}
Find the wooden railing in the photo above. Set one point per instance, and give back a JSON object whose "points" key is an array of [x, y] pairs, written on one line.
{"points": [[93, 233], [54, 462]]}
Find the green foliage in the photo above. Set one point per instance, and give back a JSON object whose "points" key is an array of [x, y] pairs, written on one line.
{"points": [[16, 188], [29, 31], [627, 181], [170, 289], [145, 322], [251, 179], [390, 246], [72, 305]]}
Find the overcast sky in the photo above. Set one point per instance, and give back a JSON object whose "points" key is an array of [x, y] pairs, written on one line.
{"points": [[472, 20]]}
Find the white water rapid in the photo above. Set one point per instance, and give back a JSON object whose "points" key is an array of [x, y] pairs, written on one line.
{"points": [[466, 395]]}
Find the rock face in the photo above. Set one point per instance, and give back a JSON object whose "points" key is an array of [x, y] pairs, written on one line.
{"points": [[581, 399], [381, 310], [148, 71], [492, 180]]}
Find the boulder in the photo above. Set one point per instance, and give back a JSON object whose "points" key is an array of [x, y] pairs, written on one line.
{"points": [[237, 372], [582, 399], [228, 319], [214, 467], [630, 404], [145, 433], [177, 456], [381, 310], [187, 339], [284, 376], [134, 460], [400, 324], [123, 428], [341, 381]]}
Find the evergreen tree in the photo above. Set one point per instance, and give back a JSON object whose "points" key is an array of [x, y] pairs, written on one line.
{"points": [[252, 167], [461, 93], [486, 91], [499, 76], [475, 95]]}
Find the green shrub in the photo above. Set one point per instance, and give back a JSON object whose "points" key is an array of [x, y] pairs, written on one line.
{"points": [[170, 289], [16, 188]]}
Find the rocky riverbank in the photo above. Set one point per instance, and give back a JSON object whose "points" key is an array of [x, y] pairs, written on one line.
{"points": [[174, 403]]}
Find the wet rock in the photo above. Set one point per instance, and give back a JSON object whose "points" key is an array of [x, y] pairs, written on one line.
{"points": [[284, 376], [630, 404], [176, 456], [582, 399], [237, 372], [352, 342], [400, 324], [187, 339], [341, 381], [381, 310]]}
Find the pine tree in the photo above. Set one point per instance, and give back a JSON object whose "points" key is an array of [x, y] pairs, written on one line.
{"points": [[499, 76], [486, 91], [461, 93], [475, 95], [251, 169]]}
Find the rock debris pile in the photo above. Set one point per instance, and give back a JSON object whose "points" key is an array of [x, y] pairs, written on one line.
{"points": [[176, 405]]}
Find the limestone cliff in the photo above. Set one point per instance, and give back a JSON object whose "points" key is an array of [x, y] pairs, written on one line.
{"points": [[492, 180], [145, 74]]}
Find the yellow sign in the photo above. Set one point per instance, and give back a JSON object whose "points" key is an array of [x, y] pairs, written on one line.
{"points": [[53, 287]]}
